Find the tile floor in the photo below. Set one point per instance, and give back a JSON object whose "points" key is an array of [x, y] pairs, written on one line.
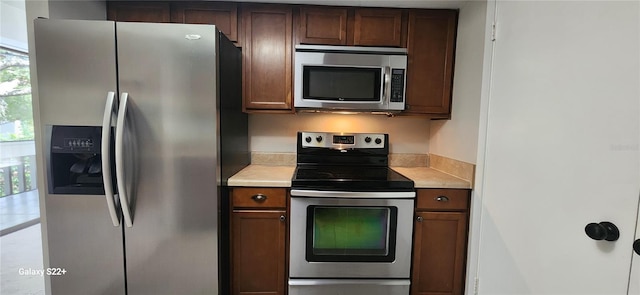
{"points": [[20, 244], [21, 250], [19, 211]]}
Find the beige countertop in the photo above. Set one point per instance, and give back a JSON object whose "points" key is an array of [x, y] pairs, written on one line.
{"points": [[280, 176], [263, 176], [425, 177]]}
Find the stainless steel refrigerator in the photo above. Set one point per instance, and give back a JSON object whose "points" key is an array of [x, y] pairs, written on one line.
{"points": [[140, 126]]}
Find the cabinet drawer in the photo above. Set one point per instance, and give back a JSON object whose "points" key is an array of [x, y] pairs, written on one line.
{"points": [[259, 198], [443, 199]]}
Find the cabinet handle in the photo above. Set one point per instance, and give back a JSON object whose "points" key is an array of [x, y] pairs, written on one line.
{"points": [[636, 246], [442, 199], [259, 198], [283, 218], [419, 219]]}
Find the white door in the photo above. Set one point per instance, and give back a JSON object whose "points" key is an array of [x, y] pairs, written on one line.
{"points": [[634, 281], [561, 149]]}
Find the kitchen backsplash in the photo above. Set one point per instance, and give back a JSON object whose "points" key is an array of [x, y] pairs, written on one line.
{"points": [[276, 133], [289, 159]]}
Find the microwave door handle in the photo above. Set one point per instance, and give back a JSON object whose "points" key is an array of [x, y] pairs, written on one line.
{"points": [[386, 86]]}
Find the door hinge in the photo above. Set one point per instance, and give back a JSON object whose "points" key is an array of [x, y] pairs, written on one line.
{"points": [[493, 32], [476, 284]]}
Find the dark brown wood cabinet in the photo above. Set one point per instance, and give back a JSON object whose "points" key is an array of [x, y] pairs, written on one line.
{"points": [[330, 25], [431, 46], [258, 241], [267, 56], [323, 25], [266, 31], [440, 241], [222, 14], [378, 27], [143, 11]]}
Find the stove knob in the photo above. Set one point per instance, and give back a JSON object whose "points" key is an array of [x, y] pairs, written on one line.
{"points": [[378, 140], [367, 139], [319, 138], [308, 139]]}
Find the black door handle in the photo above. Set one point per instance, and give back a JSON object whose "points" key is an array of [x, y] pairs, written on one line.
{"points": [[602, 231], [636, 246]]}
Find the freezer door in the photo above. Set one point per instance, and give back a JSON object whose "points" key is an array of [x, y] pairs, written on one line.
{"points": [[76, 68], [169, 74]]}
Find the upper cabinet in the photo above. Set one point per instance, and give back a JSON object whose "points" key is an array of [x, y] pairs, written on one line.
{"points": [[267, 55], [222, 14], [378, 27], [323, 25], [431, 45], [125, 11], [267, 34], [327, 25]]}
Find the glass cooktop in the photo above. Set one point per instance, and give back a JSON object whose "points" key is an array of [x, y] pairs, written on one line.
{"points": [[350, 178]]}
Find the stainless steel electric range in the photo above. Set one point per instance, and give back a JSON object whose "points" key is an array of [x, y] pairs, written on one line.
{"points": [[351, 217]]}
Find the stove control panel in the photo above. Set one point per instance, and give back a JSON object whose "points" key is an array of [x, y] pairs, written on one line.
{"points": [[343, 140]]}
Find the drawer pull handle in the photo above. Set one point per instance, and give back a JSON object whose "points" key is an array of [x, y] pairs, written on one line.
{"points": [[419, 219], [259, 198], [441, 199], [282, 218]]}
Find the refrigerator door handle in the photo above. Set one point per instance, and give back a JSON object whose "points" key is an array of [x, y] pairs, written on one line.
{"points": [[120, 176], [106, 158]]}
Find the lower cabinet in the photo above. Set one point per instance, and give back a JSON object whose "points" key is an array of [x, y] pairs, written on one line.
{"points": [[258, 241], [259, 234], [440, 242]]}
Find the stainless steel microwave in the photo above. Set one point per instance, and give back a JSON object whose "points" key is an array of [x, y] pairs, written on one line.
{"points": [[350, 78]]}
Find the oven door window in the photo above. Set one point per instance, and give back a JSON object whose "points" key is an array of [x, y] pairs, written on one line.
{"points": [[348, 84], [351, 234]]}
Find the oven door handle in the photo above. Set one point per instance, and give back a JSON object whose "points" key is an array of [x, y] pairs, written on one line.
{"points": [[318, 282], [352, 195]]}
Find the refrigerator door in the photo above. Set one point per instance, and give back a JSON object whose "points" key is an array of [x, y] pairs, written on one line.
{"points": [[76, 68], [169, 72]]}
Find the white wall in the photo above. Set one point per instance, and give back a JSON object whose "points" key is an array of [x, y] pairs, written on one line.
{"points": [[13, 25], [457, 138], [85, 9], [277, 132]]}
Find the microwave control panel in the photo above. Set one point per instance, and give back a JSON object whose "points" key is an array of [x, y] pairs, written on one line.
{"points": [[397, 85]]}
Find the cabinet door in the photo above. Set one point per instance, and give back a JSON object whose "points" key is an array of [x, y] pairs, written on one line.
{"points": [[439, 253], [223, 15], [267, 57], [323, 25], [258, 247], [152, 12], [378, 27], [431, 45]]}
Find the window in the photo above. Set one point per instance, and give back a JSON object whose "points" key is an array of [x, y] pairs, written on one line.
{"points": [[16, 117], [16, 124]]}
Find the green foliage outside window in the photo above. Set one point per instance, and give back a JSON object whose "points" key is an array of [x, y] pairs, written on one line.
{"points": [[15, 95]]}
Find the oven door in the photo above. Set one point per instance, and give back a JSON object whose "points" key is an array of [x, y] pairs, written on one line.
{"points": [[351, 234]]}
